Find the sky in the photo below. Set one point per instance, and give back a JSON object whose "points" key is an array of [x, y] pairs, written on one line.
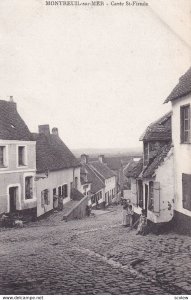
{"points": [[99, 74]]}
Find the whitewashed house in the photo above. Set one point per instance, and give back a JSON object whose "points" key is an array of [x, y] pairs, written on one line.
{"points": [[152, 183], [94, 186], [17, 163], [58, 171], [180, 98], [103, 181]]}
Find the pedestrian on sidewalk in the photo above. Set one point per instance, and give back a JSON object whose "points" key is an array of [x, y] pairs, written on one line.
{"points": [[142, 227]]}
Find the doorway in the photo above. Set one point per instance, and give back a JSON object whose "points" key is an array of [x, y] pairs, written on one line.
{"points": [[13, 194], [146, 197]]}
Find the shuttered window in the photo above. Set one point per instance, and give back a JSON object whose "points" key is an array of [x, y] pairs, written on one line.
{"points": [[45, 199], [185, 124], [186, 191], [151, 196], [65, 191]]}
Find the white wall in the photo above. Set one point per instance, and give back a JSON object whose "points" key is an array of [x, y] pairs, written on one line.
{"points": [[182, 154], [54, 180], [164, 175], [110, 184]]}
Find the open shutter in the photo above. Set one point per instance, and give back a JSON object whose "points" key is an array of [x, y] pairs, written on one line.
{"points": [[42, 199], [186, 191], [156, 192]]}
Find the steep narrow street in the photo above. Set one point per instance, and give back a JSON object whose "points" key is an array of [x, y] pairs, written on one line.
{"points": [[95, 255]]}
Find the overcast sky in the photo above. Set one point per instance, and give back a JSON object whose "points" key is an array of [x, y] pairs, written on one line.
{"points": [[99, 74]]}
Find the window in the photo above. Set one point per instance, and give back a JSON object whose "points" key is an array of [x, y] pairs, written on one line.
{"points": [[185, 124], [59, 191], [21, 156], [28, 187], [76, 182], [54, 192], [3, 162], [140, 193], [151, 196], [186, 191], [65, 191], [45, 197]]}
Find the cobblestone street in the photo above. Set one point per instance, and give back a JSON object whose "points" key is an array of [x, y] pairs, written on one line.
{"points": [[95, 255]]}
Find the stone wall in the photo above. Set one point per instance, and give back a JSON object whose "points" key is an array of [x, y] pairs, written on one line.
{"points": [[77, 212]]}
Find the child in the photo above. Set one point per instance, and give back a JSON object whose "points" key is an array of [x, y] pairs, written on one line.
{"points": [[142, 223]]}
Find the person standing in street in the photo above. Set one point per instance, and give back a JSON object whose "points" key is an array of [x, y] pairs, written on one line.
{"points": [[125, 207]]}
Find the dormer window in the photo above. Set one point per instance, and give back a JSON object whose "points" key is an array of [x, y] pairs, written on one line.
{"points": [[185, 124], [21, 156], [3, 157]]}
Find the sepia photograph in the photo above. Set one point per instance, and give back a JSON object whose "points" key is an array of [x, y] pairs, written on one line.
{"points": [[95, 149]]}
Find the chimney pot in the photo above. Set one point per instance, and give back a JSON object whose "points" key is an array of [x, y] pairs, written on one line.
{"points": [[11, 99], [84, 158], [55, 131], [101, 158]]}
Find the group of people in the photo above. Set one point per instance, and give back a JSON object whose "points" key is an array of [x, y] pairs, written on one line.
{"points": [[128, 218]]}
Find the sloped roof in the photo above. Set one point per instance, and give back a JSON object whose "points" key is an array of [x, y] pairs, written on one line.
{"points": [[12, 126], [96, 183], [155, 163], [182, 89], [76, 195], [134, 168], [52, 154], [115, 163], [159, 130], [102, 169]]}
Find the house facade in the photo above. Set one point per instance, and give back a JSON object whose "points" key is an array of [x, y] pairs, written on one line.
{"points": [[103, 181], [58, 171], [17, 162], [92, 183], [180, 99], [152, 178]]}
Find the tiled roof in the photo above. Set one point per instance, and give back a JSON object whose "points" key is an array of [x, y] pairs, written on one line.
{"points": [[76, 195], [134, 168], [102, 170], [182, 89], [115, 163], [96, 183], [155, 163], [159, 130], [12, 126], [52, 154]]}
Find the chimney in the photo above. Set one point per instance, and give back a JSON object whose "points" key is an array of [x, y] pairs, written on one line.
{"points": [[11, 99], [55, 131], [44, 129], [101, 158], [84, 159]]}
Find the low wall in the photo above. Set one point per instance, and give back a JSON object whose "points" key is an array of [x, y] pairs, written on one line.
{"points": [[78, 211]]}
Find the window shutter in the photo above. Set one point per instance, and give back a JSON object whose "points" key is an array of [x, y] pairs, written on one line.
{"points": [[186, 191], [156, 192], [48, 197], [42, 199]]}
